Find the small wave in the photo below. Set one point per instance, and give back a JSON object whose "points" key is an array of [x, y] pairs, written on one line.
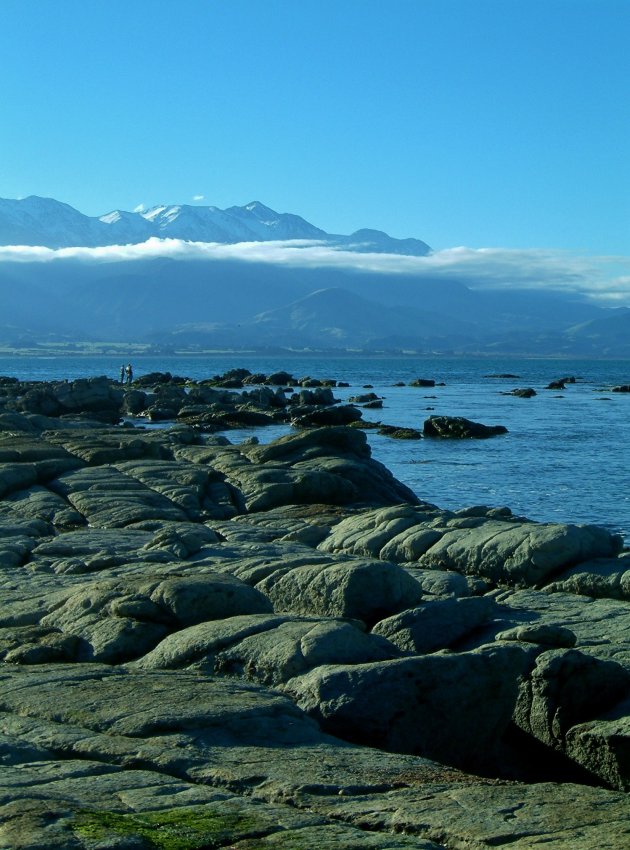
{"points": [[445, 462]]}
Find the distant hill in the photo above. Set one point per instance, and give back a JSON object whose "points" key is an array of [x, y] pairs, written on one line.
{"points": [[50, 223], [607, 335], [339, 318], [235, 304]]}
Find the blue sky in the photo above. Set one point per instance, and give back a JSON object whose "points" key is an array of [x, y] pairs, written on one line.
{"points": [[461, 122]]}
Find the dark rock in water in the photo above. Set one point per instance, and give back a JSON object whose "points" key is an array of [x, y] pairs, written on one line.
{"points": [[230, 383], [422, 382], [400, 433], [305, 417], [525, 392], [316, 396], [365, 425], [156, 413], [502, 375], [134, 402], [170, 395], [265, 397], [233, 378], [399, 384], [235, 374], [457, 427], [256, 378], [363, 398], [279, 379], [152, 379], [242, 417], [560, 384], [623, 388], [343, 384], [377, 404]]}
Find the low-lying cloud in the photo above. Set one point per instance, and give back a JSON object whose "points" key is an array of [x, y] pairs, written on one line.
{"points": [[601, 277]]}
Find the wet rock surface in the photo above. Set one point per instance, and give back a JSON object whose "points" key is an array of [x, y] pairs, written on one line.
{"points": [[281, 646], [459, 428]]}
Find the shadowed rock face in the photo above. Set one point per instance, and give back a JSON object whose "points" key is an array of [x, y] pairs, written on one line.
{"points": [[280, 645], [427, 705], [437, 625]]}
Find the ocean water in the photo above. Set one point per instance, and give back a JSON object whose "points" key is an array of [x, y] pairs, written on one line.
{"points": [[565, 458]]}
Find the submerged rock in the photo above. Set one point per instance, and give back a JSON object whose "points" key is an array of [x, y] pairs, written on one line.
{"points": [[397, 433]]}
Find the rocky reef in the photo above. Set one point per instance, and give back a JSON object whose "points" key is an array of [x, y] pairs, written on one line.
{"points": [[208, 644]]}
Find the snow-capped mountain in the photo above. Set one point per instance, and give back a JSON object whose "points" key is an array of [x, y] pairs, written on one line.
{"points": [[44, 221], [125, 228], [50, 223]]}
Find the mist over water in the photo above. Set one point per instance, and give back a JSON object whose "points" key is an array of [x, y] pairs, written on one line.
{"points": [[566, 457]]}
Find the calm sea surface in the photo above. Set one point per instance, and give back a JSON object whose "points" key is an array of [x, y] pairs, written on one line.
{"points": [[566, 457]]}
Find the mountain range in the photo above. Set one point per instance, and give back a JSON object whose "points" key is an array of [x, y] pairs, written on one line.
{"points": [[52, 224], [226, 303]]}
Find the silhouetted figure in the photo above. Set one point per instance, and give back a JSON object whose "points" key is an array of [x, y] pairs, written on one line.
{"points": [[122, 373], [129, 373]]}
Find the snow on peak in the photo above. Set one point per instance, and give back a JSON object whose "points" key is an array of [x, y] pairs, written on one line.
{"points": [[153, 213], [261, 211], [111, 218]]}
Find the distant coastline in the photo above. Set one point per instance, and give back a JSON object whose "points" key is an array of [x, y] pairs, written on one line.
{"points": [[140, 350]]}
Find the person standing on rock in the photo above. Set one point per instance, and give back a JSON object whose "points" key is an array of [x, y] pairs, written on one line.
{"points": [[129, 373], [122, 374]]}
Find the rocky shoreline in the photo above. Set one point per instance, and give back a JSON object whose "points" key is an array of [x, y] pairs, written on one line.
{"points": [[247, 646]]}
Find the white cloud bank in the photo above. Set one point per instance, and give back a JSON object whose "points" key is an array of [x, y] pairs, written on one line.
{"points": [[602, 277]]}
